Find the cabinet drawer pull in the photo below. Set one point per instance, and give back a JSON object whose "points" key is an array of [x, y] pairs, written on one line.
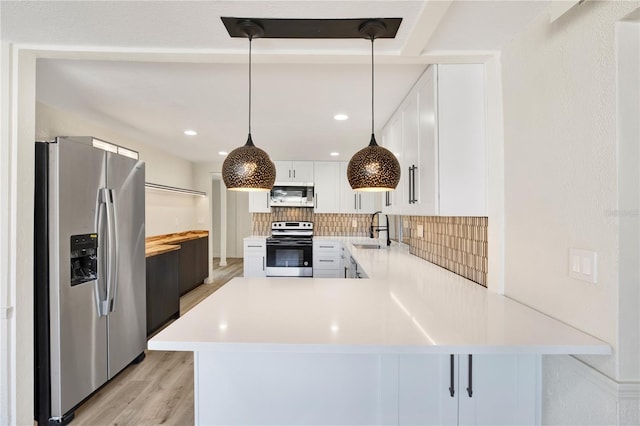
{"points": [[326, 260], [452, 389], [470, 380], [255, 246], [327, 246]]}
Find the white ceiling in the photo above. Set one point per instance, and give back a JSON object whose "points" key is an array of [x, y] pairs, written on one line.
{"points": [[172, 66]]}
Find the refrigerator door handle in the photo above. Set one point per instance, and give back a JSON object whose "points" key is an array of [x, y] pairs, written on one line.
{"points": [[115, 252], [107, 193], [103, 275]]}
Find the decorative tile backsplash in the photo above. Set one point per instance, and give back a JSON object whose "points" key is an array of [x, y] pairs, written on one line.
{"points": [[323, 223], [458, 244]]}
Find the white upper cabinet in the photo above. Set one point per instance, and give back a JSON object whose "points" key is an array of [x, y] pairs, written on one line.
{"points": [[353, 201], [259, 202], [439, 132], [294, 171], [327, 182], [462, 148], [392, 140]]}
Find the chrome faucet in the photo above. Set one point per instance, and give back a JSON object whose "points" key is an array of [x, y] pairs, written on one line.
{"points": [[379, 228]]}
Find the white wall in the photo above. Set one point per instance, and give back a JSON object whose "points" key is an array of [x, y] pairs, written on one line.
{"points": [[561, 179], [238, 218], [165, 212]]}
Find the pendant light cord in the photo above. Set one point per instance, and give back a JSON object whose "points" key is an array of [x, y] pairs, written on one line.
{"points": [[372, 87], [250, 40]]}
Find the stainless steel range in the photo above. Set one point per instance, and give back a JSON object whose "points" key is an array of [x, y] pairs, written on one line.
{"points": [[290, 249]]}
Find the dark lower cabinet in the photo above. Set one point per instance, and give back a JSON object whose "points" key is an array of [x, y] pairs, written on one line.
{"points": [[163, 296], [194, 266]]}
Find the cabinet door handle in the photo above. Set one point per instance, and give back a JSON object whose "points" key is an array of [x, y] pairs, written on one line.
{"points": [[409, 176], [452, 388], [345, 272], [294, 173], [289, 173], [359, 201], [470, 380], [413, 187], [316, 197], [263, 263], [355, 201]]}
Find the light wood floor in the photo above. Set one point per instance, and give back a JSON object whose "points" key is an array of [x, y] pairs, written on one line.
{"points": [[159, 390]]}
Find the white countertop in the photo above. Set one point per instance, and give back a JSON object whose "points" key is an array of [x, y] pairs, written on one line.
{"points": [[407, 305]]}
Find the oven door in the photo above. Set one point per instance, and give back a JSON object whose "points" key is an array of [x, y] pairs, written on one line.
{"points": [[289, 257]]}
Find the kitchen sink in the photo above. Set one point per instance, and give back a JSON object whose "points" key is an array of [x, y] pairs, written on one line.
{"points": [[367, 246]]}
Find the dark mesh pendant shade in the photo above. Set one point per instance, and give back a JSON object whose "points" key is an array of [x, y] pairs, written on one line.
{"points": [[248, 168], [373, 168]]}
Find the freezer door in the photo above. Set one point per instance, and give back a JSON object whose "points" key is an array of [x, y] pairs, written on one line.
{"points": [[127, 296], [78, 333]]}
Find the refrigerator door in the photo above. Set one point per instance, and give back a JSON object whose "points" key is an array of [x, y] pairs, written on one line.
{"points": [[78, 333], [127, 296]]}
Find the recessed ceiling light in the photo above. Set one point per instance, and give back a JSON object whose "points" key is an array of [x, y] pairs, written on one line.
{"points": [[190, 132], [334, 154], [223, 153], [341, 117]]}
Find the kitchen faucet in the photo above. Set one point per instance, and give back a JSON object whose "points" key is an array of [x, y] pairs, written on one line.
{"points": [[379, 228]]}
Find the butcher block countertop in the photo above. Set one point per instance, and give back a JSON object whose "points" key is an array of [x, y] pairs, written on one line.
{"points": [[160, 244]]}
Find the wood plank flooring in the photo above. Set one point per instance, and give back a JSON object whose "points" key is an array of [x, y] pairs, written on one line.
{"points": [[159, 390]]}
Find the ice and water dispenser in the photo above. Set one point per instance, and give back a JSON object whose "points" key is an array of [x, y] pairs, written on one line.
{"points": [[84, 258]]}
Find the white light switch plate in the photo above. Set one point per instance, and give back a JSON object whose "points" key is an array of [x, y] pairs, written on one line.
{"points": [[583, 265], [354, 223], [420, 231]]}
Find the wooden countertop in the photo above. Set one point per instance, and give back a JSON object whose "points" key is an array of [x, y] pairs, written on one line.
{"points": [[159, 244]]}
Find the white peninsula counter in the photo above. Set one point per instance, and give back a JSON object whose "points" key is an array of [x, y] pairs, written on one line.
{"points": [[413, 344]]}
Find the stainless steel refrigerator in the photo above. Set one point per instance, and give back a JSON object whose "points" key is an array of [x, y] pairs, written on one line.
{"points": [[89, 271]]}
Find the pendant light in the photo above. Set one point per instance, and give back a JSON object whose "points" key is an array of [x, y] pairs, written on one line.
{"points": [[249, 168], [373, 168]]}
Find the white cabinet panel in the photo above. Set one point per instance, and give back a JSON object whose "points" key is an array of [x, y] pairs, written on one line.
{"points": [[259, 202], [255, 257], [327, 181], [462, 146], [294, 171], [502, 390], [423, 390], [352, 201], [426, 176], [392, 140]]}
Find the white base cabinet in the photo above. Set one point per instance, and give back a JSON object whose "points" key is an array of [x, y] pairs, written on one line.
{"points": [[282, 388], [255, 257], [327, 259]]}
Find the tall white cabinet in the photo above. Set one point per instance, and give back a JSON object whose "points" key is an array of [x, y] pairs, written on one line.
{"points": [[327, 182], [438, 133]]}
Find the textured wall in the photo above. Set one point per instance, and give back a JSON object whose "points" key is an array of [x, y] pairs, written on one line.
{"points": [[323, 223], [561, 188], [458, 244]]}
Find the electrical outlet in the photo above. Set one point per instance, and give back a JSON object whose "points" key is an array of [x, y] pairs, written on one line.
{"points": [[420, 231], [583, 265], [354, 223]]}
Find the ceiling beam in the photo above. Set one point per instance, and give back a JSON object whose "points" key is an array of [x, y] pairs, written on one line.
{"points": [[426, 24]]}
